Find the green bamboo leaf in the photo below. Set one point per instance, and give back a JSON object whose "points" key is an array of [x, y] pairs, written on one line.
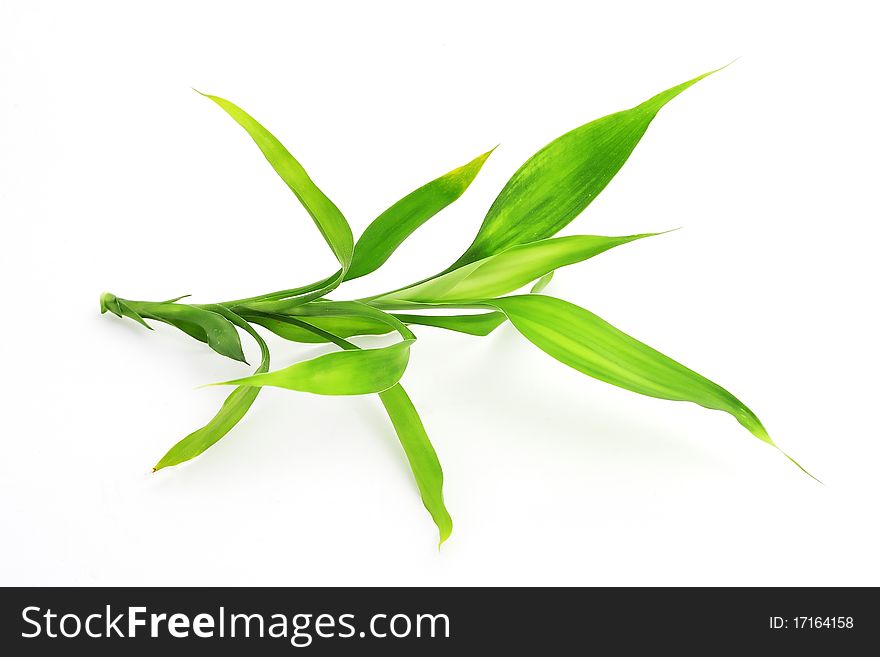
{"points": [[589, 344], [203, 325], [392, 227], [542, 283], [508, 270], [340, 373], [558, 182], [325, 308], [290, 328], [413, 438], [323, 284], [233, 410], [420, 453], [479, 324], [326, 215]]}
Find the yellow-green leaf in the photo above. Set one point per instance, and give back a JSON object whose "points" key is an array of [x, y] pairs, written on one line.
{"points": [[340, 373], [508, 270]]}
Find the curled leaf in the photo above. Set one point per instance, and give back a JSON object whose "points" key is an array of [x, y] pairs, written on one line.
{"points": [[120, 308], [203, 325]]}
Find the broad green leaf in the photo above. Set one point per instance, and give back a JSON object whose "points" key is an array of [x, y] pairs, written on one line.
{"points": [[414, 439], [542, 283], [563, 178], [581, 340], [233, 410], [204, 325], [392, 227], [420, 453], [480, 324], [327, 217], [508, 270], [345, 327], [340, 373]]}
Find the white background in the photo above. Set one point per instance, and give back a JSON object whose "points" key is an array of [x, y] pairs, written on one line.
{"points": [[115, 176]]}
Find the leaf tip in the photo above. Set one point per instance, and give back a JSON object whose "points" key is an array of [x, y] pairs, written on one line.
{"points": [[480, 160], [803, 469], [163, 463], [176, 299], [235, 354], [445, 533], [656, 103]]}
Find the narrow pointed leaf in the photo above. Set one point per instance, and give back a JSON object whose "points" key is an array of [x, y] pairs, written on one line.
{"points": [[479, 324], [273, 305], [327, 217], [340, 373], [589, 344], [414, 439], [392, 227], [286, 294], [344, 327], [508, 270], [563, 178], [291, 327], [233, 410], [352, 309], [420, 453]]}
